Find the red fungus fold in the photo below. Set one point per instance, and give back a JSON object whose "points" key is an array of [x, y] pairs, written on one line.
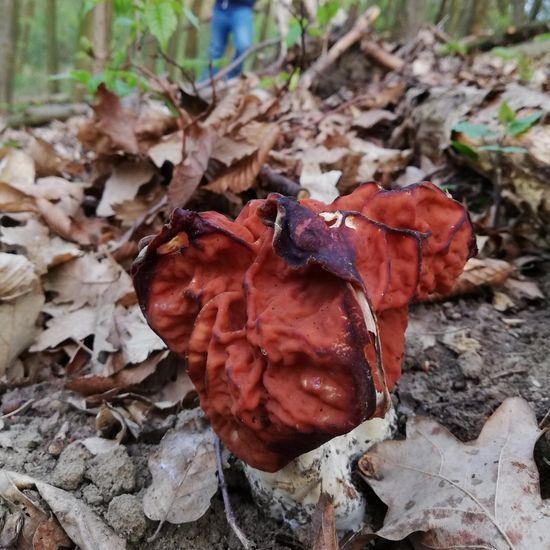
{"points": [[292, 317]]}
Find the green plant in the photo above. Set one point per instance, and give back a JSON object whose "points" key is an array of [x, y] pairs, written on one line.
{"points": [[133, 20], [510, 125]]}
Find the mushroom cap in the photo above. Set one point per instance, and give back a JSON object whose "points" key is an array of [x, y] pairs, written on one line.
{"points": [[292, 317]]}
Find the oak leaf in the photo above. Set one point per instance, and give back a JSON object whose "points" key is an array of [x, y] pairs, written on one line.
{"points": [[480, 494]]}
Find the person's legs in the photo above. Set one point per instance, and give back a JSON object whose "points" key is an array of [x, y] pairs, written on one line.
{"points": [[242, 27], [220, 28]]}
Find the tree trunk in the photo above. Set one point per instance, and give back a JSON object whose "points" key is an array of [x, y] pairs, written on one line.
{"points": [[477, 17], [414, 16], [52, 60], [262, 37], [8, 26], [101, 26], [455, 11], [83, 62], [27, 13], [518, 12], [192, 40]]}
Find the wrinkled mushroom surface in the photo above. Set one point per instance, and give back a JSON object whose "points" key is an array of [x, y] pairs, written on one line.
{"points": [[292, 317]]}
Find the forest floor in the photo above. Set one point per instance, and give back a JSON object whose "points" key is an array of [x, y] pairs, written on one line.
{"points": [[514, 347]]}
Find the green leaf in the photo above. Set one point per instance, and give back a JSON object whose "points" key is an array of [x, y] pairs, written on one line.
{"points": [[191, 17], [463, 149], [502, 149], [293, 34], [161, 20], [326, 11], [505, 113], [473, 130], [520, 125]]}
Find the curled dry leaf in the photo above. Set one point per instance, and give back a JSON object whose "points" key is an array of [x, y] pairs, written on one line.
{"points": [[14, 200], [184, 474], [17, 276], [188, 174], [242, 175], [18, 321], [323, 525], [17, 169], [29, 527], [43, 250], [479, 272], [480, 494]]}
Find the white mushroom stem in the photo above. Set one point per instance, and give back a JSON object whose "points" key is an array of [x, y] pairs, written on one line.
{"points": [[292, 493]]}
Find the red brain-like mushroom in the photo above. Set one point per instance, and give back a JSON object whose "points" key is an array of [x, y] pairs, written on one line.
{"points": [[292, 317]]}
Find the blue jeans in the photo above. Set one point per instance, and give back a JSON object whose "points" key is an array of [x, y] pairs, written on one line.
{"points": [[234, 20]]}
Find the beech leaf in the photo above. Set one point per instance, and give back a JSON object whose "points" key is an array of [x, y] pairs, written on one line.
{"points": [[184, 476], [480, 494]]}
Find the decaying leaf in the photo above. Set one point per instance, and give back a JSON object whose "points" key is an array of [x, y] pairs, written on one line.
{"points": [[323, 526], [17, 276], [321, 186], [43, 250], [184, 474], [188, 174], [137, 340], [114, 122], [30, 528], [480, 494], [17, 169], [123, 184], [479, 272], [18, 321], [242, 175]]}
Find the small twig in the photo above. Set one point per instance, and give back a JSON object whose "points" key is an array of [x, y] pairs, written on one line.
{"points": [[248, 545], [20, 409], [226, 70], [167, 91], [184, 72]]}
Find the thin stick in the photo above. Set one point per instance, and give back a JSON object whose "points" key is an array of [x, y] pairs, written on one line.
{"points": [[544, 420], [230, 516], [223, 72]]}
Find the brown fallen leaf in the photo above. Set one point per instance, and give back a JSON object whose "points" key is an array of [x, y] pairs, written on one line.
{"points": [[323, 526], [114, 122], [46, 159], [18, 318], [42, 249], [242, 175], [123, 185], [15, 200], [188, 174], [30, 527], [480, 494], [479, 272], [184, 472]]}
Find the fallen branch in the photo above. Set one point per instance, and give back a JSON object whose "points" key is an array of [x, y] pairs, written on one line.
{"points": [[37, 115], [381, 57], [273, 181], [512, 35], [361, 27]]}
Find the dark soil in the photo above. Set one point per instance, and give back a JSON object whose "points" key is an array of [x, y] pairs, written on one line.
{"points": [[459, 390]]}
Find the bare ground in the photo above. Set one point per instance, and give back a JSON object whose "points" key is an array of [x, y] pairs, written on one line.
{"points": [[511, 357]]}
